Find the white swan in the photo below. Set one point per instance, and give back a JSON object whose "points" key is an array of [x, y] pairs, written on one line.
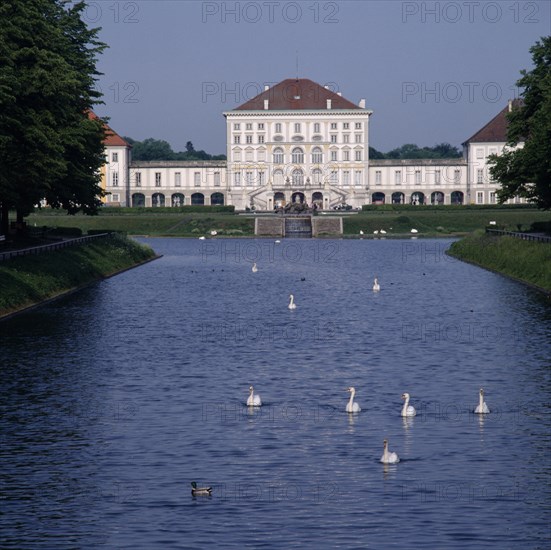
{"points": [[376, 285], [214, 233], [376, 232], [407, 409], [482, 408], [414, 231], [254, 269], [361, 232], [292, 304], [201, 238], [254, 399], [388, 457], [352, 406], [382, 232]]}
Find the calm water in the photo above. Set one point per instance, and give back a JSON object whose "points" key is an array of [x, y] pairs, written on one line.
{"points": [[116, 397]]}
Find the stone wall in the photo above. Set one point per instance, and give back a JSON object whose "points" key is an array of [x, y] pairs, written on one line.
{"points": [[326, 226], [269, 227]]}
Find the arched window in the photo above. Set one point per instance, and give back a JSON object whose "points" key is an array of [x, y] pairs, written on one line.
{"points": [[457, 197], [198, 198], [217, 199], [317, 155], [158, 199], [298, 177], [138, 200], [177, 199], [278, 156], [316, 174], [297, 156], [278, 178]]}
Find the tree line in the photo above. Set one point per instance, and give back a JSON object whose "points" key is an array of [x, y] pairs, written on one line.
{"points": [[159, 149]]}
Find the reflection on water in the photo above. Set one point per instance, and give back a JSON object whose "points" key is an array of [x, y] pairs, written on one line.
{"points": [[117, 397]]}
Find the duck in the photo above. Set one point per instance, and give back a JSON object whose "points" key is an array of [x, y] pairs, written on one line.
{"points": [[408, 410], [200, 491], [292, 304], [376, 285], [352, 406], [253, 400], [254, 268], [388, 457], [481, 408]]}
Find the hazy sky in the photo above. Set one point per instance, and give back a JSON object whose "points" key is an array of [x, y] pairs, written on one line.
{"points": [[430, 71]]}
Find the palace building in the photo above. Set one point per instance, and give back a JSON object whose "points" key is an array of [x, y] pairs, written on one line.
{"points": [[299, 141]]}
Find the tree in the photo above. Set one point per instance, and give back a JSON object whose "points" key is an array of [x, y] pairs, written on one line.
{"points": [[49, 147], [151, 149], [189, 147], [526, 171]]}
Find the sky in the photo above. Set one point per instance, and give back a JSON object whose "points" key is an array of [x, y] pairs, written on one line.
{"points": [[431, 72]]}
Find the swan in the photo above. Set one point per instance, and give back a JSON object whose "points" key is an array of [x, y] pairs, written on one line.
{"points": [[292, 304], [254, 269], [414, 231], [408, 410], [388, 457], [352, 406], [376, 285], [277, 242], [201, 238], [382, 232], [214, 233], [482, 408], [361, 232], [492, 223], [200, 491], [376, 232], [253, 400]]}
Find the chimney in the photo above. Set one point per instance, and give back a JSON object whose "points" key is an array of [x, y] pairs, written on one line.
{"points": [[266, 87], [266, 104], [329, 104], [510, 105], [361, 105]]}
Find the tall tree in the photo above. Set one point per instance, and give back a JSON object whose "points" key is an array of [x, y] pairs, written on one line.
{"points": [[526, 171], [49, 147]]}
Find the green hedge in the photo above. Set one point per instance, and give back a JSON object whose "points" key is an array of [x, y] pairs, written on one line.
{"points": [[106, 210], [542, 227], [443, 207]]}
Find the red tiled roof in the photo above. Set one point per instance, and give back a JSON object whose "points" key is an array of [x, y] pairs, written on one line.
{"points": [[296, 94], [496, 129], [111, 137]]}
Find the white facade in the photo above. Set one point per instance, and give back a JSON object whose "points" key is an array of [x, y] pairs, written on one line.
{"points": [[287, 152]]}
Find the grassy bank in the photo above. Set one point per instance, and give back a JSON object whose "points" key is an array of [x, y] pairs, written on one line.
{"points": [[429, 221], [526, 261], [29, 280]]}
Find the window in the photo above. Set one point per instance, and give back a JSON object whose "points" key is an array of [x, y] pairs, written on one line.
{"points": [[115, 197], [437, 177], [261, 126], [278, 127], [480, 153], [197, 179], [492, 198], [346, 156], [297, 156], [493, 150], [317, 127], [248, 179], [261, 178], [237, 155], [378, 177], [115, 157], [248, 126], [278, 155], [358, 125], [358, 155], [480, 197], [345, 125], [260, 139], [334, 155], [157, 179], [357, 177], [317, 176], [346, 138], [261, 155], [216, 179], [115, 179], [333, 126], [333, 138], [398, 177], [334, 177], [457, 176], [138, 179], [249, 155], [358, 138], [177, 179], [480, 175], [418, 177], [346, 177], [297, 127], [298, 177], [248, 139], [317, 155], [237, 126], [237, 179], [237, 139]]}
